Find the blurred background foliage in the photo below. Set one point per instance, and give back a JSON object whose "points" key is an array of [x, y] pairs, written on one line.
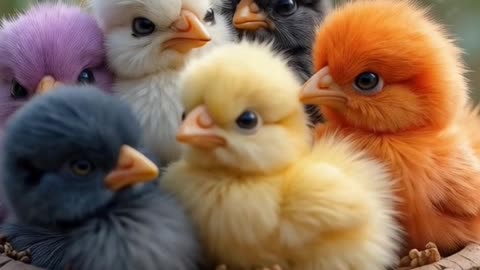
{"points": [[462, 18]]}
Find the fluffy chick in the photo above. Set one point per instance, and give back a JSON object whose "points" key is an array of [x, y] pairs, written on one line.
{"points": [[251, 183], [148, 43], [290, 24], [391, 79], [48, 45], [72, 184]]}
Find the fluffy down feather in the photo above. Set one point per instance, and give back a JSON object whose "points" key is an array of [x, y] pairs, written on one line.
{"points": [[392, 80], [263, 196], [57, 181], [147, 75], [49, 39]]}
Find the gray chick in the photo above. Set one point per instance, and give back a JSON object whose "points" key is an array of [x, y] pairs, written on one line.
{"points": [[83, 194]]}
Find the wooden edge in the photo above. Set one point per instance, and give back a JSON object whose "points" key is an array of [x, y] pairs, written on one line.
{"points": [[7, 263], [466, 259]]}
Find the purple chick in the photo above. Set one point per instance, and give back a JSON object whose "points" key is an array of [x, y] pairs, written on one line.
{"points": [[48, 45]]}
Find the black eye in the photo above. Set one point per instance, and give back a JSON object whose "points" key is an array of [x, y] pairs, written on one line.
{"points": [[286, 7], [184, 115], [81, 167], [86, 76], [368, 83], [17, 91], [210, 16], [248, 121], [142, 27]]}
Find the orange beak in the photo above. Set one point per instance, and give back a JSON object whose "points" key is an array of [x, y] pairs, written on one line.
{"points": [[199, 130], [249, 17], [46, 84], [132, 168], [189, 33], [322, 91]]}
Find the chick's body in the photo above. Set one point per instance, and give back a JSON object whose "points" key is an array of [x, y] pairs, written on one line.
{"points": [[398, 91], [148, 43], [73, 184], [256, 192]]}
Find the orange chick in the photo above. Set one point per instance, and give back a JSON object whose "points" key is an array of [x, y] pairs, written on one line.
{"points": [[391, 79]]}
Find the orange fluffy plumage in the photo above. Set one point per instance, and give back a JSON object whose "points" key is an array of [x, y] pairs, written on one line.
{"points": [[389, 77]]}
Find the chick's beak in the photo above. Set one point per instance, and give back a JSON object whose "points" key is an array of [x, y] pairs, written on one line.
{"points": [[132, 168], [189, 33], [199, 130], [321, 90], [249, 17], [46, 84]]}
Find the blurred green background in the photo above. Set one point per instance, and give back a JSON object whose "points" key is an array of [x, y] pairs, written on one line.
{"points": [[462, 17]]}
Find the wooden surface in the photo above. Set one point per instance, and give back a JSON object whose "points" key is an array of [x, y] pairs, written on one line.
{"points": [[7, 263], [467, 259]]}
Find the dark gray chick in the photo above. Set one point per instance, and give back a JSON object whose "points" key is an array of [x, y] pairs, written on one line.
{"points": [[291, 24], [83, 194]]}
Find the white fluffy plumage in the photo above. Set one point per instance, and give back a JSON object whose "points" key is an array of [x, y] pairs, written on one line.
{"points": [[147, 76]]}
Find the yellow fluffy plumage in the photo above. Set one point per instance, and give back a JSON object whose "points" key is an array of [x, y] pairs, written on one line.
{"points": [[261, 196]]}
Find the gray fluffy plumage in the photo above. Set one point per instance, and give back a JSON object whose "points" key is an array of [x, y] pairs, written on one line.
{"points": [[70, 221]]}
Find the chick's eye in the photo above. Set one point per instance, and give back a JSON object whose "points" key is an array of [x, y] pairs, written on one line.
{"points": [[368, 83], [86, 76], [17, 91], [142, 27], [81, 167], [286, 7], [248, 121], [210, 16]]}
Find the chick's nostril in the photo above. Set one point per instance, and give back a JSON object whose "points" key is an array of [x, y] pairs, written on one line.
{"points": [[325, 82], [254, 7], [204, 121]]}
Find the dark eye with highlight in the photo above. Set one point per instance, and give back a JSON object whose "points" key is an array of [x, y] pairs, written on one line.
{"points": [[86, 76], [248, 122], [142, 27], [368, 83], [286, 7], [18, 91]]}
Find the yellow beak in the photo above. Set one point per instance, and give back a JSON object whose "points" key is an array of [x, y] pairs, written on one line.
{"points": [[249, 17], [189, 33], [46, 84], [199, 130], [319, 90], [132, 168]]}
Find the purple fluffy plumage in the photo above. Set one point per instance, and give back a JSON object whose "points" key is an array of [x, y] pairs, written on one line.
{"points": [[55, 40]]}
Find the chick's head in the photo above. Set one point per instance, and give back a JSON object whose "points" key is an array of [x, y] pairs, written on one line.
{"points": [[242, 111], [385, 66], [68, 152], [147, 36], [48, 45]]}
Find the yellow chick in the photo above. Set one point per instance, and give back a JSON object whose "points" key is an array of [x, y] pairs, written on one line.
{"points": [[256, 191]]}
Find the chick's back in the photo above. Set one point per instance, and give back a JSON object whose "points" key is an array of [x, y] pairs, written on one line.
{"points": [[266, 197]]}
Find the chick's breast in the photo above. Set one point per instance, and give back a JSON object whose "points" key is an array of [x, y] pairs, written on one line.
{"points": [[332, 210], [155, 100]]}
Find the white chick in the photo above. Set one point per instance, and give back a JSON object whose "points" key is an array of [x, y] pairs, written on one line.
{"points": [[148, 43]]}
